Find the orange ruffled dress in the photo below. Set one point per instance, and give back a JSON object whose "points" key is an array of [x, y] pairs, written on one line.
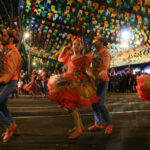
{"points": [[143, 87], [32, 86], [73, 89]]}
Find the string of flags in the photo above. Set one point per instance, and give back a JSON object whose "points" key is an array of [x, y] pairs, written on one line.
{"points": [[52, 24]]}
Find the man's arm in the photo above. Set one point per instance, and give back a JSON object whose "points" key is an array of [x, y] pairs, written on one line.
{"points": [[104, 66]]}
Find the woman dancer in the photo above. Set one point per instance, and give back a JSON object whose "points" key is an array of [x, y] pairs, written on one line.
{"points": [[32, 86], [73, 89]]}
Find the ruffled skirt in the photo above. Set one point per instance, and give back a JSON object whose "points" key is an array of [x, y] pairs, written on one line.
{"points": [[32, 87], [143, 87], [71, 92]]}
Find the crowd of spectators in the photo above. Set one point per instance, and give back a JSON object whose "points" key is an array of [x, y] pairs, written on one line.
{"points": [[123, 82], [120, 82]]}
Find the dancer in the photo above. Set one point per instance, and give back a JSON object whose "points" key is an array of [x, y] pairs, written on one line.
{"points": [[44, 83], [100, 64], [73, 88], [32, 87], [143, 87], [9, 70]]}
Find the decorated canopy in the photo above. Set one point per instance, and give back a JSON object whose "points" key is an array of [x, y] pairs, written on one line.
{"points": [[54, 23]]}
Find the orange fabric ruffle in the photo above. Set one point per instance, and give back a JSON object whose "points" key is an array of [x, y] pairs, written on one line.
{"points": [[74, 88], [143, 87], [31, 87], [69, 93]]}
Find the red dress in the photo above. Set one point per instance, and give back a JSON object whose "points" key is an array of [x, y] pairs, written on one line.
{"points": [[32, 86], [74, 88], [143, 87]]}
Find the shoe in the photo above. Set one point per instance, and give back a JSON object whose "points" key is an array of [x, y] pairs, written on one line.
{"points": [[95, 127], [108, 129], [73, 129], [16, 132], [75, 134], [9, 132]]}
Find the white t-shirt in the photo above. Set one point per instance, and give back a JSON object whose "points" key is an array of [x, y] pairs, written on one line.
{"points": [[20, 84]]}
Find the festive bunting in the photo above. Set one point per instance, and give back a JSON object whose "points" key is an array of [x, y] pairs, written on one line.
{"points": [[57, 21]]}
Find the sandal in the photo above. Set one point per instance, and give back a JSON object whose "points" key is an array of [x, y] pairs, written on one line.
{"points": [[75, 134], [108, 129], [73, 129]]}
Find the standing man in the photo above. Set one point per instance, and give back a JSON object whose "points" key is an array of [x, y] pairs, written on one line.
{"points": [[9, 70], [100, 65], [44, 83]]}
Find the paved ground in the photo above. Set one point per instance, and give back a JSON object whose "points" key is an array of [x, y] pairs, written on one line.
{"points": [[44, 125]]}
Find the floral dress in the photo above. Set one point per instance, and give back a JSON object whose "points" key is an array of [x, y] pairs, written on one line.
{"points": [[32, 86], [74, 88]]}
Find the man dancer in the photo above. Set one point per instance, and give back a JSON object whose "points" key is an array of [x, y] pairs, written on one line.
{"points": [[9, 70], [100, 66]]}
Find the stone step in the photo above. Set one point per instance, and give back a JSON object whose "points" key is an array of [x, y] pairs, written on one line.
{"points": [[56, 110], [116, 103]]}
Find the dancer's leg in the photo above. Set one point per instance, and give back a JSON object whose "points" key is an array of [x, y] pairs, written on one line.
{"points": [[77, 122]]}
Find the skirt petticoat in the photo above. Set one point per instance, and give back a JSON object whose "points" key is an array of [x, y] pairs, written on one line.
{"points": [[71, 92], [31, 87]]}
